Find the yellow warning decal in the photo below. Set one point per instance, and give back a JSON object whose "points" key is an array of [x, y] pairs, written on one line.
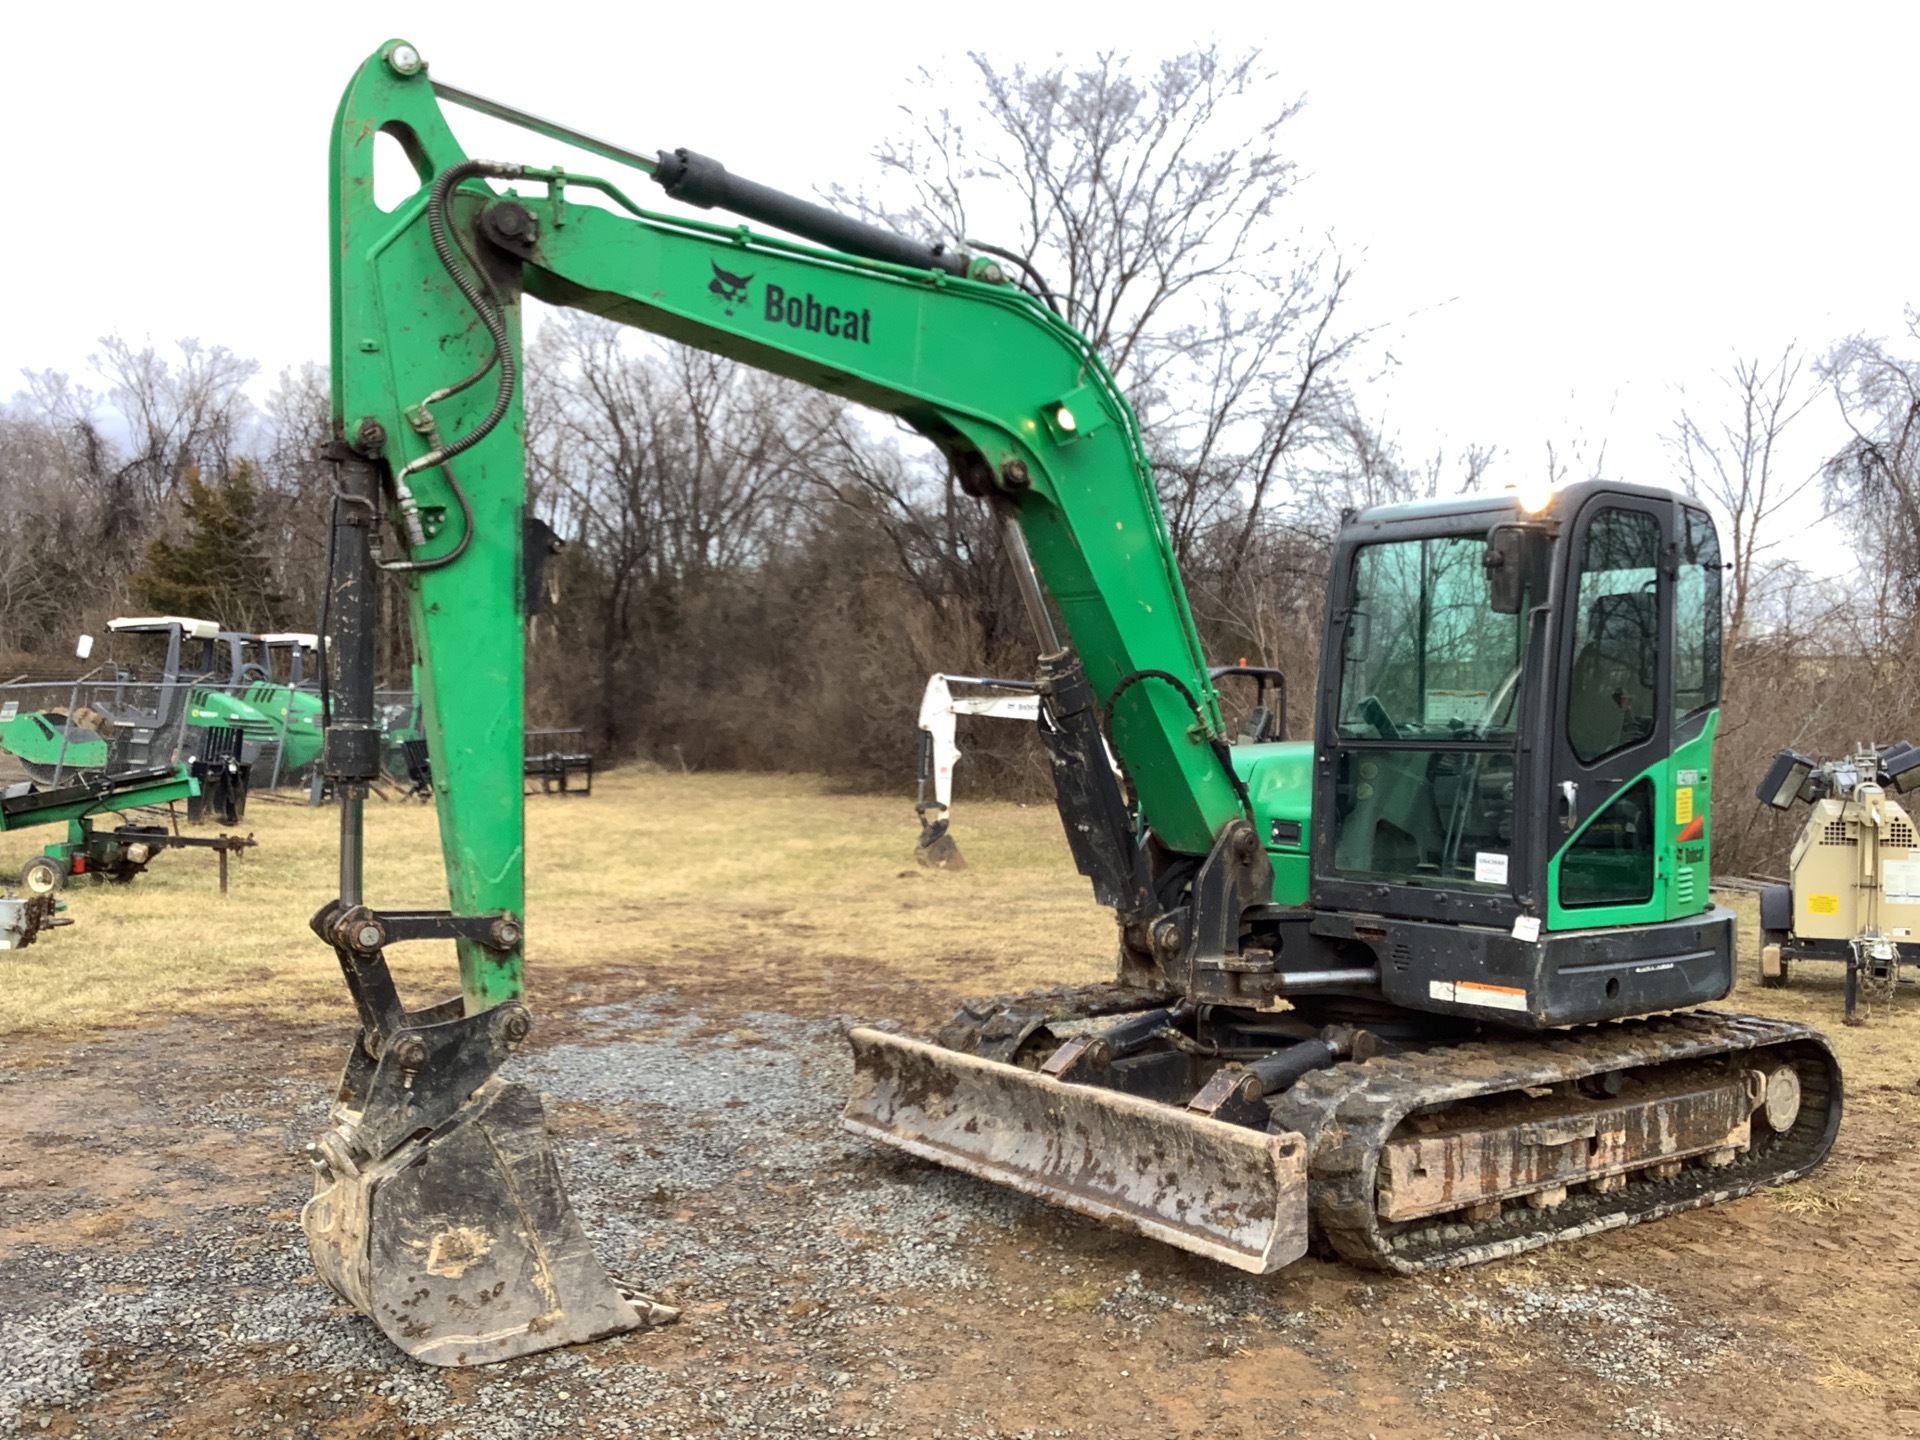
{"points": [[1683, 804], [1823, 904]]}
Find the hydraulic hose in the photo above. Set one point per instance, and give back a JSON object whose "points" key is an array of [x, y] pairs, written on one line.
{"points": [[471, 282], [483, 306], [1217, 743], [1041, 289]]}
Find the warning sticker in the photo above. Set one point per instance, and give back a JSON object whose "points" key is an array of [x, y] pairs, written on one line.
{"points": [[1900, 881], [1489, 868], [1823, 904], [1462, 706], [1475, 992], [9, 710], [1682, 804]]}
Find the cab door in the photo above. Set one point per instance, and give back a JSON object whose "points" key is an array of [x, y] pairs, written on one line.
{"points": [[1612, 724]]}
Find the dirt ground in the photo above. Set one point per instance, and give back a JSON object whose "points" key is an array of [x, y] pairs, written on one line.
{"points": [[153, 1279]]}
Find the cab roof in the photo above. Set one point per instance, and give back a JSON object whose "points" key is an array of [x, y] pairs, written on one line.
{"points": [[1563, 503], [154, 624]]}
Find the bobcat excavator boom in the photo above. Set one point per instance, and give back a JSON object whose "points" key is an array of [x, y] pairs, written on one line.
{"points": [[1331, 954]]}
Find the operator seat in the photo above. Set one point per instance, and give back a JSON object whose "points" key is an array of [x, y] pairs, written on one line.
{"points": [[1610, 703]]}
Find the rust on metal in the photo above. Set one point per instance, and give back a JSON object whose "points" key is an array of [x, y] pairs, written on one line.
{"points": [[462, 1246], [1482, 1154], [1349, 1113]]}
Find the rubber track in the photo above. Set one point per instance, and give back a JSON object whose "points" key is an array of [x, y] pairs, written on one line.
{"points": [[1349, 1112]]}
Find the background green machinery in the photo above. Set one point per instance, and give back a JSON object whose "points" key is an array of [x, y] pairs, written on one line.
{"points": [[117, 855]]}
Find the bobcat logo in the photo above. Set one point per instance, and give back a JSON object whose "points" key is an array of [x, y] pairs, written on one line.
{"points": [[731, 288]]}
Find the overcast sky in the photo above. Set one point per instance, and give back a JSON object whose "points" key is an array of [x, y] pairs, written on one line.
{"points": [[1562, 214]]}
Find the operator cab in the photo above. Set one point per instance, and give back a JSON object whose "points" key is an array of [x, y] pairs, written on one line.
{"points": [[163, 648], [1514, 740], [291, 657]]}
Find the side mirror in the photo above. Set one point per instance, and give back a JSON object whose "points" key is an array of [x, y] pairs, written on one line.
{"points": [[1504, 561]]}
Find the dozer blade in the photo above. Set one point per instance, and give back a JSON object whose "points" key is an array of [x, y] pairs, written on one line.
{"points": [[1232, 1194], [461, 1244]]}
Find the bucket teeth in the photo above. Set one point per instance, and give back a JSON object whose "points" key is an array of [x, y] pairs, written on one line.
{"points": [[461, 1244]]}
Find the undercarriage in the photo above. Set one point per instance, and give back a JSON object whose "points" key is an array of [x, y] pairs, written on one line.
{"points": [[1399, 1141]]}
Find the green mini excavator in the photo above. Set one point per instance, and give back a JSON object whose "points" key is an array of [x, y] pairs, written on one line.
{"points": [[1419, 986]]}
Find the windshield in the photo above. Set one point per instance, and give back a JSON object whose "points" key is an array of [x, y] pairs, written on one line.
{"points": [[1425, 656], [141, 654], [1431, 680]]}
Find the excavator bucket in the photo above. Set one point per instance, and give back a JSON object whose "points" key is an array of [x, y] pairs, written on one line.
{"points": [[1224, 1191], [461, 1244], [937, 849]]}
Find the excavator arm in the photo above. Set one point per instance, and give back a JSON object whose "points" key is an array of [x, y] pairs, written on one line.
{"points": [[438, 1209], [1023, 409], [940, 712]]}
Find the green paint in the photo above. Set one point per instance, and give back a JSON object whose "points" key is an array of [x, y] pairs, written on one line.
{"points": [[38, 740], [294, 720], [80, 810], [1681, 785], [970, 365], [212, 708], [1279, 781]]}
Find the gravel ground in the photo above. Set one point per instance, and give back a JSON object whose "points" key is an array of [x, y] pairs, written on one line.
{"points": [[829, 1288], [863, 1227], [784, 1233]]}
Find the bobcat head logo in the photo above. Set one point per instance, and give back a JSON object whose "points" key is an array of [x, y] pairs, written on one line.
{"points": [[731, 288]]}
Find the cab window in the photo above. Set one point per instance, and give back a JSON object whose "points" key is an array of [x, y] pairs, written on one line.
{"points": [[1616, 653], [1696, 617]]}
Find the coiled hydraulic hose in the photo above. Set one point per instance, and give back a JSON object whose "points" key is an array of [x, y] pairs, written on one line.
{"points": [[479, 297]]}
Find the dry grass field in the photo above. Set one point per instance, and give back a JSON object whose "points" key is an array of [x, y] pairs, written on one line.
{"points": [[692, 939], [769, 882]]}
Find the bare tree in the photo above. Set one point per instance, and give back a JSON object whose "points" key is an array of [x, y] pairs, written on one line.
{"points": [[673, 465], [178, 416], [1873, 483], [1731, 460], [295, 502], [1145, 204], [1130, 190]]}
